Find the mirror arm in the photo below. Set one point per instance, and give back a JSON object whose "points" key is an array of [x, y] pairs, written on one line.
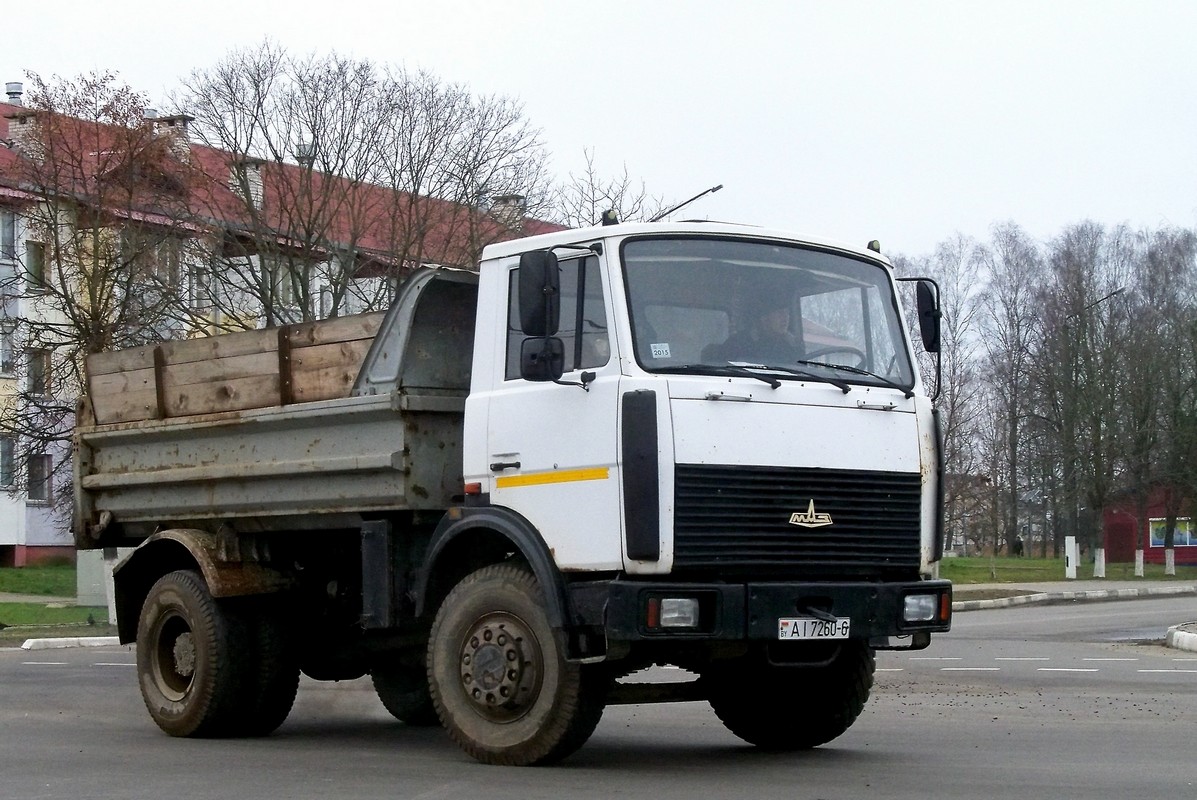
{"points": [[587, 379]]}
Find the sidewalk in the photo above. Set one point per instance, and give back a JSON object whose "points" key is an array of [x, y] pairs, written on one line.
{"points": [[1180, 637], [8, 597]]}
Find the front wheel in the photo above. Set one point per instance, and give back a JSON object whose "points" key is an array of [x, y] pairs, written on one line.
{"points": [[499, 681], [191, 658], [792, 708]]}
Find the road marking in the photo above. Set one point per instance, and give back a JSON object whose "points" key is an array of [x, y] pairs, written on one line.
{"points": [[44, 663], [1068, 669], [935, 658], [1109, 659], [1182, 671], [1027, 658], [970, 669], [113, 664], [892, 669]]}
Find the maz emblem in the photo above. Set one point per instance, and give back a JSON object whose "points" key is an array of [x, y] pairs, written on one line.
{"points": [[810, 518]]}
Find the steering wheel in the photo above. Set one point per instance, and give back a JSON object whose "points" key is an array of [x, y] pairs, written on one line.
{"points": [[819, 352]]}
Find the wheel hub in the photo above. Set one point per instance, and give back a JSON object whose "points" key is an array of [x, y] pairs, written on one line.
{"points": [[184, 655], [501, 667]]}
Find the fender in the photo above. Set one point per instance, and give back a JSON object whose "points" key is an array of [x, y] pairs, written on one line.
{"points": [[187, 548], [522, 535]]}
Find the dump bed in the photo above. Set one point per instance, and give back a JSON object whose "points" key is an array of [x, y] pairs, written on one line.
{"points": [[306, 426]]}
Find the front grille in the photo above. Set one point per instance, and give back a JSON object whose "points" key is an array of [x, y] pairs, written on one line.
{"points": [[735, 522]]}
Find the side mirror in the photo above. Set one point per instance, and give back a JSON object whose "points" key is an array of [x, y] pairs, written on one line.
{"points": [[539, 293], [927, 297], [542, 359]]}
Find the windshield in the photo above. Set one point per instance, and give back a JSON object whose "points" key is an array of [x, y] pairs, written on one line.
{"points": [[699, 301]]}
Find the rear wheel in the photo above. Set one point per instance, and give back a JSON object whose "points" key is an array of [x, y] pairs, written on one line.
{"points": [[403, 689], [792, 708], [274, 670], [191, 658], [500, 682]]}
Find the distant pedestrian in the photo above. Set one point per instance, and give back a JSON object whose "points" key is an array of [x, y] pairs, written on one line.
{"points": [[1018, 546]]}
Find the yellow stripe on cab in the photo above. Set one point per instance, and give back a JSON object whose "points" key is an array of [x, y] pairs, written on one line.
{"points": [[555, 476]]}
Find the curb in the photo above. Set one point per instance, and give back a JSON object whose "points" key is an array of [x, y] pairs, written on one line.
{"points": [[1183, 637], [1074, 597], [69, 641]]}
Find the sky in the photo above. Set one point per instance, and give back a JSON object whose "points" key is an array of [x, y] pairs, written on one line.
{"points": [[907, 122]]}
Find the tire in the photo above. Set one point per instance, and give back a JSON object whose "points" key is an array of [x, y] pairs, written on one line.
{"points": [[403, 689], [535, 708], [275, 672], [792, 708], [193, 659]]}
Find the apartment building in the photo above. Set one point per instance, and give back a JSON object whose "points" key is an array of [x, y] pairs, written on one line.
{"points": [[118, 235]]}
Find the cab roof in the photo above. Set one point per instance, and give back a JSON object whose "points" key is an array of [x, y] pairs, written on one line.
{"points": [[586, 236]]}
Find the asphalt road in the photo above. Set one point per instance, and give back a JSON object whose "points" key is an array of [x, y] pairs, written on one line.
{"points": [[1034, 702]]}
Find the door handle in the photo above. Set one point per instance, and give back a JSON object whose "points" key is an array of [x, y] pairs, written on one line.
{"points": [[499, 466]]}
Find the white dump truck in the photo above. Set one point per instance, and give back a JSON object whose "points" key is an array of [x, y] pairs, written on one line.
{"points": [[694, 444]]}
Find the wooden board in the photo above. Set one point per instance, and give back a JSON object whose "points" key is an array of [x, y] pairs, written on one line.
{"points": [[231, 372]]}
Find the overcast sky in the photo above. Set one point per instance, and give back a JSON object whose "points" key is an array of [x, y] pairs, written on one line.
{"points": [[901, 121]]}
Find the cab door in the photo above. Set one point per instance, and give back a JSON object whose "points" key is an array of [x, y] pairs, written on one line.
{"points": [[551, 446]]}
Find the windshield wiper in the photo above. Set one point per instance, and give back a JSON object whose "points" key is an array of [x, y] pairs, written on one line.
{"points": [[719, 369], [801, 373], [858, 371], [746, 369]]}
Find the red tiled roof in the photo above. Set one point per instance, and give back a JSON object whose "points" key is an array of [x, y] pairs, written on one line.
{"points": [[381, 223]]}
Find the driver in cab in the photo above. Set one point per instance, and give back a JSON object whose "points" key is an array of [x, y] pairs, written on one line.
{"points": [[766, 340]]}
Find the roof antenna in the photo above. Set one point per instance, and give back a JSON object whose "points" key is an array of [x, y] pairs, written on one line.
{"points": [[685, 203]]}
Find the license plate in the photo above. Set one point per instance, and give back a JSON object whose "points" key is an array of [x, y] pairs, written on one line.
{"points": [[811, 628]]}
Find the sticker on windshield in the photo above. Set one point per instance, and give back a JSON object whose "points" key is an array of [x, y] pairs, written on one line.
{"points": [[660, 350]]}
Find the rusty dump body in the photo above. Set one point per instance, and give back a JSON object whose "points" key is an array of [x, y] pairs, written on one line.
{"points": [[312, 426]]}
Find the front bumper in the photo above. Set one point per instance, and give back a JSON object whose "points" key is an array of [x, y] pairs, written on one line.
{"points": [[750, 611]]}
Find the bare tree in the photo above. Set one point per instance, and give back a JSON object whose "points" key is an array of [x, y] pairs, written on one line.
{"points": [[1169, 283], [582, 199], [1079, 364], [345, 176], [1014, 267], [103, 216], [954, 266]]}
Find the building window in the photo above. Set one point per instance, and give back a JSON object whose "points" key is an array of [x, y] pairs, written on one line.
{"points": [[152, 256], [8, 350], [40, 468], [38, 382], [288, 278], [8, 234], [7, 466], [198, 288], [35, 264]]}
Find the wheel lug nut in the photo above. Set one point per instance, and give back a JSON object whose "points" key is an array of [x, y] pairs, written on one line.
{"points": [[487, 635]]}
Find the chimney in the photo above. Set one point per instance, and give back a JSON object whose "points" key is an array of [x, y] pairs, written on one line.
{"points": [[246, 180], [15, 91], [22, 133], [175, 128], [508, 210]]}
